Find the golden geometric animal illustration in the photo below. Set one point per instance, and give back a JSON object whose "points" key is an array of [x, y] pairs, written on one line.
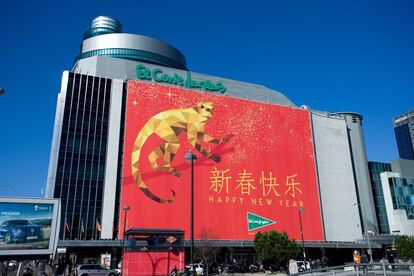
{"points": [[168, 125]]}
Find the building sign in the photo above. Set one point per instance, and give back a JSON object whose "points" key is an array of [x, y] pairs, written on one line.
{"points": [[156, 74], [252, 158]]}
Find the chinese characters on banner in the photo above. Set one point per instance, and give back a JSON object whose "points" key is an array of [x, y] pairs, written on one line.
{"points": [[266, 191]]}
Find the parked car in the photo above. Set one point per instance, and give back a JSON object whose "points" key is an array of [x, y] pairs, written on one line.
{"points": [[20, 230], [94, 269], [199, 268]]}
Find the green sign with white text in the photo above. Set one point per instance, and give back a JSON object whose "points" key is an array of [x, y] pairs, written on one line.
{"points": [[255, 221], [156, 74]]}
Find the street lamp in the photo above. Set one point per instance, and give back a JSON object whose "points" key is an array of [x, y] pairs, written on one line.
{"points": [[300, 210], [191, 157], [126, 209], [369, 244], [367, 232]]}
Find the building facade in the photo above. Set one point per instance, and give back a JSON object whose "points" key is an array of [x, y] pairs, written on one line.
{"points": [[398, 195], [392, 184], [404, 133], [87, 163]]}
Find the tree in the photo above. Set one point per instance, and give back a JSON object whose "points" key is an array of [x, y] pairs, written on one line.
{"points": [[206, 248], [405, 247], [275, 248]]}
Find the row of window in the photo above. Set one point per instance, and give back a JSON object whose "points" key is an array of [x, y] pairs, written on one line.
{"points": [[95, 207], [89, 166], [91, 105], [92, 154], [132, 54], [88, 122]]}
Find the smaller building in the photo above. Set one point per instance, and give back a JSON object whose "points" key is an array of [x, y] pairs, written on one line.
{"points": [[399, 195], [404, 133], [394, 195]]}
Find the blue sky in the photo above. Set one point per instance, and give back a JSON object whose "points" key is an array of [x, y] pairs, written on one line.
{"points": [[330, 55]]}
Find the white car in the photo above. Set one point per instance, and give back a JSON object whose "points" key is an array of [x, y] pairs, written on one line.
{"points": [[94, 269], [199, 268]]}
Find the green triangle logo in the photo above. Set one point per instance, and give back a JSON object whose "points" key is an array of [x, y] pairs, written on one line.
{"points": [[255, 221]]}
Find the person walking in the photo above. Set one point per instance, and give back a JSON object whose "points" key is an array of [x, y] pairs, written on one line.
{"points": [[364, 262], [391, 260]]}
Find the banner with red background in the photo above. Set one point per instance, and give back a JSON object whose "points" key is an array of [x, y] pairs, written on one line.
{"points": [[266, 172]]}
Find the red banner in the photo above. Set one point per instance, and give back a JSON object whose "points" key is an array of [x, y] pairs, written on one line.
{"points": [[255, 165]]}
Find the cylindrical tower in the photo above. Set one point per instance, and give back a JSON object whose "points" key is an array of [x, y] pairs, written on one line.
{"points": [[105, 38], [103, 25], [361, 172]]}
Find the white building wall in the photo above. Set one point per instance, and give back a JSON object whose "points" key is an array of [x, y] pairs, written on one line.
{"points": [[360, 168], [57, 133], [397, 219], [112, 154], [336, 179]]}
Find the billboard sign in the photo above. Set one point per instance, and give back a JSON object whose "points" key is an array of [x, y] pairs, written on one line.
{"points": [[28, 226], [255, 165]]}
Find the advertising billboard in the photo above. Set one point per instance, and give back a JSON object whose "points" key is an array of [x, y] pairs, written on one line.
{"points": [[255, 165], [28, 226]]}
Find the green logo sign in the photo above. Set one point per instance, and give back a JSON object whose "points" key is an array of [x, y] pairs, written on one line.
{"points": [[156, 74], [255, 222]]}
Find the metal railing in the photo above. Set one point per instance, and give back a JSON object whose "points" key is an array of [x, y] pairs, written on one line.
{"points": [[376, 268]]}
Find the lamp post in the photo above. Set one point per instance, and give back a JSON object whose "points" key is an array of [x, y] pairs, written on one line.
{"points": [[191, 157], [369, 245], [126, 209], [300, 210], [366, 231]]}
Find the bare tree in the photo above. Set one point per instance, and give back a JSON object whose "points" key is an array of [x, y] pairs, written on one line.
{"points": [[206, 248]]}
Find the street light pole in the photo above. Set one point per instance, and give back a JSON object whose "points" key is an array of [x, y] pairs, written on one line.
{"points": [[191, 157], [126, 209], [366, 231], [300, 210], [369, 246]]}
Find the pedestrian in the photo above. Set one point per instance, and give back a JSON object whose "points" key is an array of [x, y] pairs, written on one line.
{"points": [[391, 260], [357, 259], [324, 261], [364, 261]]}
